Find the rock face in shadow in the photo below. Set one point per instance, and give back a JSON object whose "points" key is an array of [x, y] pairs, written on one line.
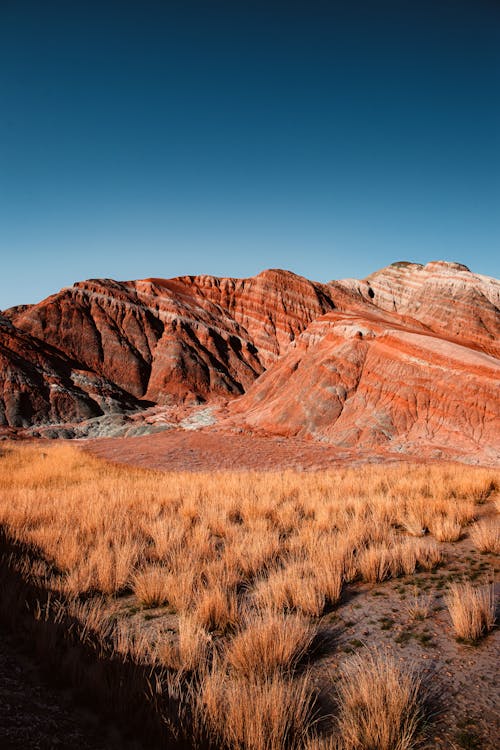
{"points": [[406, 359], [39, 384]]}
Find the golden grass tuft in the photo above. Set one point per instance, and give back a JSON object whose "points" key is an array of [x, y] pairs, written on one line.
{"points": [[289, 589], [485, 535], [374, 563], [152, 586], [380, 704], [445, 528], [429, 554], [216, 608], [257, 714], [269, 642], [472, 610]]}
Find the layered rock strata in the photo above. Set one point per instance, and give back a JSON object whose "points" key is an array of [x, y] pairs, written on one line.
{"points": [[407, 358]]}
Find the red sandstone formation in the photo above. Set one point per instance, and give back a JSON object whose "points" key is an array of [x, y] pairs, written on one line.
{"points": [[446, 297], [40, 384], [366, 382], [406, 360], [187, 338]]}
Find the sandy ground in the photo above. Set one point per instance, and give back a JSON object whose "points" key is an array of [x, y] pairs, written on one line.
{"points": [[464, 679], [220, 450]]}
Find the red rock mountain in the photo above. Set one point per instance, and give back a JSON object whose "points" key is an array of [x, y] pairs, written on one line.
{"points": [[405, 360], [156, 340]]}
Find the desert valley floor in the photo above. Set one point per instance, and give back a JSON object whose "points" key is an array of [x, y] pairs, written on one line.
{"points": [[252, 514], [201, 564]]}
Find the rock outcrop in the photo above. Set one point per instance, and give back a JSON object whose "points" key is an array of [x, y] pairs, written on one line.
{"points": [[446, 297], [162, 341], [363, 381], [40, 384], [405, 360]]}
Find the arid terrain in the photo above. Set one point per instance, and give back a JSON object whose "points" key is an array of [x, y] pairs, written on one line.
{"points": [[252, 514], [343, 608]]}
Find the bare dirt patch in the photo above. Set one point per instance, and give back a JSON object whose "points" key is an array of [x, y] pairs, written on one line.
{"points": [[219, 450]]}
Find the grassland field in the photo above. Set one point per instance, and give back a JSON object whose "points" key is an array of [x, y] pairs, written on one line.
{"points": [[265, 610]]}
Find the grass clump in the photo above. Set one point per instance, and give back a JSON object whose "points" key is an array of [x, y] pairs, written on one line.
{"points": [[254, 713], [472, 610], [485, 535], [380, 703], [269, 642]]}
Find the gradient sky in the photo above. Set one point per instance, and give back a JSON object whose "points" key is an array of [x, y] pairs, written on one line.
{"points": [[161, 138]]}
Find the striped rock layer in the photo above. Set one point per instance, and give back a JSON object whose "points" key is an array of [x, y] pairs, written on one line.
{"points": [[407, 358]]}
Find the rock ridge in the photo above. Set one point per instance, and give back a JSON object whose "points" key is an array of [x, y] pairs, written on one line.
{"points": [[407, 358]]}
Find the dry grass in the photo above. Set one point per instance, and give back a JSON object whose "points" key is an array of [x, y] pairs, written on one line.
{"points": [[485, 535], [445, 528], [379, 703], [374, 563], [429, 555], [245, 561], [195, 645], [269, 642], [418, 605], [258, 714], [217, 608], [472, 610], [152, 586]]}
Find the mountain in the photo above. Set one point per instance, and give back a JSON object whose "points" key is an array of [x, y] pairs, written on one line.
{"points": [[189, 339], [406, 360]]}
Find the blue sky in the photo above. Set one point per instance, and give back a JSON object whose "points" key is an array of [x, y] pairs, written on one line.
{"points": [[161, 138]]}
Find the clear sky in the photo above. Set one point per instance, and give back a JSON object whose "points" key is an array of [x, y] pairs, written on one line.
{"points": [[331, 138]]}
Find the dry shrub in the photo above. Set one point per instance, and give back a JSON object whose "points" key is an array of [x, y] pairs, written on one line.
{"points": [[269, 641], [429, 555], [216, 608], [256, 714], [152, 586], [485, 535], [472, 610], [380, 705], [374, 563], [445, 528]]}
